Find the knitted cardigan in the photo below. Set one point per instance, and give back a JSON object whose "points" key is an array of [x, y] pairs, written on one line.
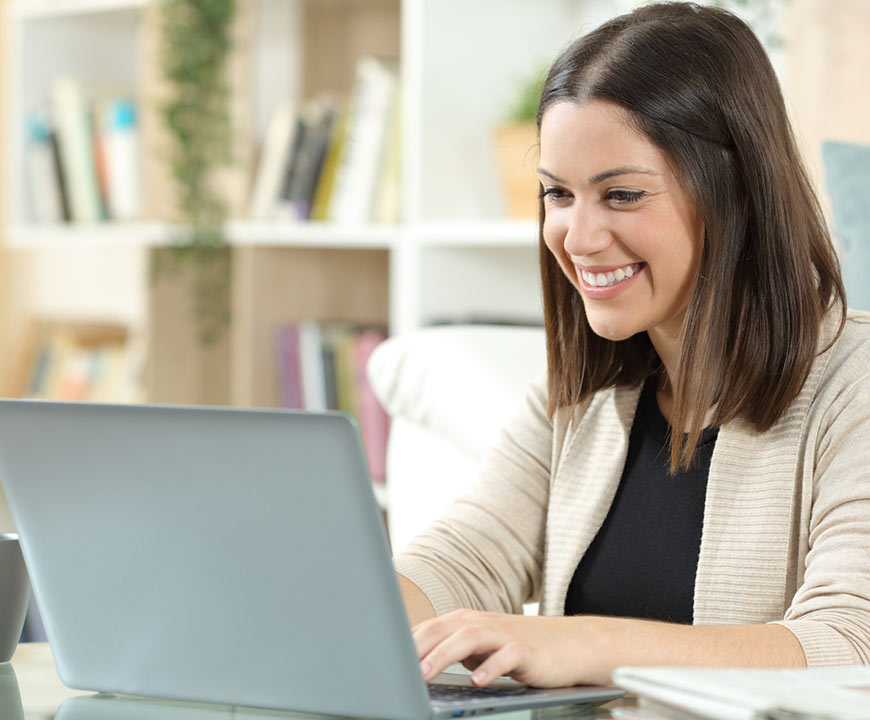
{"points": [[786, 532]]}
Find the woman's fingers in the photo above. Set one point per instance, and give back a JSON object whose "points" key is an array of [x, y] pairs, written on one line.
{"points": [[509, 659], [466, 641]]}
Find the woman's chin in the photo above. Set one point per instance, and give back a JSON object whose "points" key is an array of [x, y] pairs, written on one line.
{"points": [[614, 332]]}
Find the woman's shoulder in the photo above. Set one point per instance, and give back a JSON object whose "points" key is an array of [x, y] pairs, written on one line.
{"points": [[845, 362], [852, 346]]}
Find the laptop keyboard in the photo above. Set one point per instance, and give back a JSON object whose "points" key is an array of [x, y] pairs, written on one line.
{"points": [[464, 694]]}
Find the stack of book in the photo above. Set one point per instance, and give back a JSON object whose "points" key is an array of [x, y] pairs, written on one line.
{"points": [[727, 694], [323, 367], [83, 158], [79, 362], [325, 161]]}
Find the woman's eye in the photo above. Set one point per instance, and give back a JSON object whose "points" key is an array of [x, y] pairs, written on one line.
{"points": [[623, 197], [553, 194]]}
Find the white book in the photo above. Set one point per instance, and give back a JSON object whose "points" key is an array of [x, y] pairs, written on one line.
{"points": [[75, 139], [725, 694], [120, 129], [359, 168], [274, 156], [311, 371]]}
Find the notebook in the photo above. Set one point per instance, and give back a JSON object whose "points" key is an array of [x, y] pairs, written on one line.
{"points": [[219, 555]]}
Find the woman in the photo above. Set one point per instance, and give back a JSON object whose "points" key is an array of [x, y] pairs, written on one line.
{"points": [[689, 282]]}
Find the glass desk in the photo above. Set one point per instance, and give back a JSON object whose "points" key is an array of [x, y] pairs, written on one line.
{"points": [[31, 690]]}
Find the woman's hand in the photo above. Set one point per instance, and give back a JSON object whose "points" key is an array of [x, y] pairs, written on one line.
{"points": [[563, 651], [539, 651]]}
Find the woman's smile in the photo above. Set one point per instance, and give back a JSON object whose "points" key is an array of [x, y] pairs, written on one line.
{"points": [[601, 283]]}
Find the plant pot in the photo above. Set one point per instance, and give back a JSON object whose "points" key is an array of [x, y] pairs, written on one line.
{"points": [[516, 149]]}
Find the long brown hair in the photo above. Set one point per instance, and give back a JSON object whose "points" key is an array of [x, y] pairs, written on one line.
{"points": [[697, 82]]}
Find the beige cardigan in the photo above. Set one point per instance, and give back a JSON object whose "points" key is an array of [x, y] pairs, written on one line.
{"points": [[786, 533]]}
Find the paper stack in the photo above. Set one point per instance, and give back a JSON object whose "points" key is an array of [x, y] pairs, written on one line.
{"points": [[718, 694]]}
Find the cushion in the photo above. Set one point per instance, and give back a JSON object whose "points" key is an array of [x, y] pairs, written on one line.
{"points": [[461, 382], [847, 176]]}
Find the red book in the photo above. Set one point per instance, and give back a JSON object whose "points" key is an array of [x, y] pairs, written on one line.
{"points": [[373, 420]]}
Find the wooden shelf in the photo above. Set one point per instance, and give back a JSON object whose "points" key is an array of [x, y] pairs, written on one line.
{"points": [[34, 9]]}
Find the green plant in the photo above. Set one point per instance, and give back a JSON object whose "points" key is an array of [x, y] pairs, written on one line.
{"points": [[525, 104], [195, 46]]}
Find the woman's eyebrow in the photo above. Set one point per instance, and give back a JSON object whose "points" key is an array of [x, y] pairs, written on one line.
{"points": [[606, 175], [624, 170]]}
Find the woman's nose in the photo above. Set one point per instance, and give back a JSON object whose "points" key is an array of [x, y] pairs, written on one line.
{"points": [[586, 234]]}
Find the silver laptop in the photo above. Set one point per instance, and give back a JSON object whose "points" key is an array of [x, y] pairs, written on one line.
{"points": [[219, 555]]}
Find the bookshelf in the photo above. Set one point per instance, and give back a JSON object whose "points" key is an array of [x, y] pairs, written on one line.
{"points": [[453, 256]]}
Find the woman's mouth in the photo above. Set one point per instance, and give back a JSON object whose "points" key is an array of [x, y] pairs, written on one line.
{"points": [[609, 278]]}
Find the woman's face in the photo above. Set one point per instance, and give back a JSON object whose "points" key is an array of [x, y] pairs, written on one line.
{"points": [[623, 230]]}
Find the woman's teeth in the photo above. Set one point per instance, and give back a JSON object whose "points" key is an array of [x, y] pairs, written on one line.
{"points": [[612, 277]]}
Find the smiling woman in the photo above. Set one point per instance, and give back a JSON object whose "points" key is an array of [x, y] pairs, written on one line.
{"points": [[690, 483]]}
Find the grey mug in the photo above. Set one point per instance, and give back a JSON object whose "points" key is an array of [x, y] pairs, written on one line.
{"points": [[10, 698], [14, 595]]}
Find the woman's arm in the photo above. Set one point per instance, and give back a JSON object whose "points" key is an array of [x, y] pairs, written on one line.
{"points": [[562, 651], [417, 605]]}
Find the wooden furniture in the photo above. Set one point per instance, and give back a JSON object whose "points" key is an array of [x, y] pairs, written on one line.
{"points": [[453, 256]]}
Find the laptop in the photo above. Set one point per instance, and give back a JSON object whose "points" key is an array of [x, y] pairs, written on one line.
{"points": [[224, 556]]}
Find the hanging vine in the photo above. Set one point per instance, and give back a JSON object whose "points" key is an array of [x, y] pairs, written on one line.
{"points": [[195, 47]]}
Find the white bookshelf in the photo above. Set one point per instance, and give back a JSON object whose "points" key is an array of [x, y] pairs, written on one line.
{"points": [[454, 256]]}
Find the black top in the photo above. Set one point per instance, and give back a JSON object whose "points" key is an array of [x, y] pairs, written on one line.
{"points": [[643, 561]]}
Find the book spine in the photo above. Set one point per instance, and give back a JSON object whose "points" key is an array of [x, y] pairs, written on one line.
{"points": [[321, 203], [373, 419], [361, 161], [123, 169], [95, 118], [311, 365], [76, 151], [43, 182], [388, 202], [288, 365], [274, 157]]}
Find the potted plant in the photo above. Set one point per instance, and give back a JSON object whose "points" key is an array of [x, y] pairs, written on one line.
{"points": [[516, 146]]}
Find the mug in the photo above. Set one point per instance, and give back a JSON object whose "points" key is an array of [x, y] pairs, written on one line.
{"points": [[14, 595], [10, 698]]}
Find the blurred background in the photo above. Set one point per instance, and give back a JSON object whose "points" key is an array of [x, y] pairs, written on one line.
{"points": [[233, 202]]}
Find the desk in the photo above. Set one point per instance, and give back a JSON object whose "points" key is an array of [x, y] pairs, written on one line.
{"points": [[33, 677]]}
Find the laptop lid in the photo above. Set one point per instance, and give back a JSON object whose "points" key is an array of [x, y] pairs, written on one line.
{"points": [[216, 555]]}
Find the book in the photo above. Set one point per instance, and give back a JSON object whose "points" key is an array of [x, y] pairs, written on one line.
{"points": [[75, 139], [119, 136], [728, 694], [387, 208], [78, 361], [95, 118], [274, 156], [326, 179], [323, 366], [311, 369], [288, 367], [361, 161], [316, 120], [43, 182], [373, 419]]}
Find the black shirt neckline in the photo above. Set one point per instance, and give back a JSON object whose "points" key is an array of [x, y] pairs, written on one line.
{"points": [[649, 411]]}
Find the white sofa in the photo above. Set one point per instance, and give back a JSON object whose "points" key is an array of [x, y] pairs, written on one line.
{"points": [[449, 390]]}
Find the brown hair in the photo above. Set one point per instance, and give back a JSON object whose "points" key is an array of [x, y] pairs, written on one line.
{"points": [[697, 82]]}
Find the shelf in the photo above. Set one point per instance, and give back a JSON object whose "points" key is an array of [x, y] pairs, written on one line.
{"points": [[302, 234], [36, 9], [241, 233], [508, 233], [495, 233], [24, 237]]}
